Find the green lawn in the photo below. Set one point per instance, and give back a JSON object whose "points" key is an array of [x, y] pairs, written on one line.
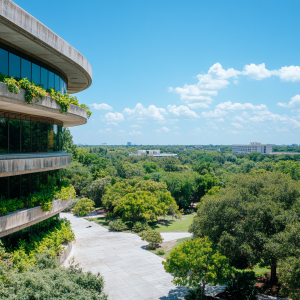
{"points": [[169, 224]]}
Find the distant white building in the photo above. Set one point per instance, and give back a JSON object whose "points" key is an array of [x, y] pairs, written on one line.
{"points": [[253, 147], [212, 149], [154, 153]]}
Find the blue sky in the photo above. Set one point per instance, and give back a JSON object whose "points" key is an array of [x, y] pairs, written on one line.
{"points": [[184, 72]]}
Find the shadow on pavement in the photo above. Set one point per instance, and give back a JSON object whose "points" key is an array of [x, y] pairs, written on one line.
{"points": [[176, 294]]}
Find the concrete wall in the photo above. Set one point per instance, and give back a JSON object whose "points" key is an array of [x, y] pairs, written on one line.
{"points": [[17, 164], [64, 256], [21, 219], [22, 30], [46, 107]]}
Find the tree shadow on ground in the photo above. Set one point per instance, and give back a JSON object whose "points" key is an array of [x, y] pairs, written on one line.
{"points": [[177, 293], [161, 222]]}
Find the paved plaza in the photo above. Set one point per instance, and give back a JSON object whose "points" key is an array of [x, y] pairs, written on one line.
{"points": [[129, 271]]}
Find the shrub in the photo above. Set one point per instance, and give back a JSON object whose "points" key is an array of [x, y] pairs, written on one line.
{"points": [[161, 252], [72, 205], [188, 211], [117, 225], [84, 206], [140, 226], [152, 237], [289, 277], [242, 286]]}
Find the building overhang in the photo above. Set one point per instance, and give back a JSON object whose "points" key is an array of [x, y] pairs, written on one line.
{"points": [[23, 31]]}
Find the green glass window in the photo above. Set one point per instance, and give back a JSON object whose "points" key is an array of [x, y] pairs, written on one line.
{"points": [[25, 136], [25, 185], [14, 65], [14, 186], [57, 85], [35, 132], [44, 78], [14, 136], [26, 69], [44, 137], [51, 80], [36, 74], [3, 187], [3, 135], [3, 61]]}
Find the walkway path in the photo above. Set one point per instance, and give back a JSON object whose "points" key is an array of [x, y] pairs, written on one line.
{"points": [[129, 271]]}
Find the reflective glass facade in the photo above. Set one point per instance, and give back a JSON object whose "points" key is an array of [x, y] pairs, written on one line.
{"points": [[22, 185], [17, 64], [22, 136]]}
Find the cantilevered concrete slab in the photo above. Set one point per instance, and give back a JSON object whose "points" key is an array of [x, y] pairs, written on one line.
{"points": [[23, 31], [24, 218], [17, 164], [43, 108]]}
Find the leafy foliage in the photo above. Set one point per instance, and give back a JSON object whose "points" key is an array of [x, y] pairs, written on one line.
{"points": [[42, 198], [117, 225], [140, 226], [196, 260], [36, 92], [84, 206], [242, 286], [152, 237]]}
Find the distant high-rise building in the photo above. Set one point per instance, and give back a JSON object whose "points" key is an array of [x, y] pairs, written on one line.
{"points": [[253, 147], [129, 143]]}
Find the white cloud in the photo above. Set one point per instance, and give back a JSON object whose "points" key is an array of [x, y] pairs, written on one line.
{"points": [[158, 131], [237, 125], [112, 123], [257, 72], [135, 126], [291, 73], [234, 132], [198, 105], [217, 113], [114, 117], [239, 106], [165, 129], [182, 111], [108, 129], [219, 120], [142, 114], [133, 132], [103, 106], [176, 127], [197, 130], [294, 103], [122, 131]]}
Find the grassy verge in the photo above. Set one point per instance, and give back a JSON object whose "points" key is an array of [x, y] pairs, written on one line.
{"points": [[169, 224]]}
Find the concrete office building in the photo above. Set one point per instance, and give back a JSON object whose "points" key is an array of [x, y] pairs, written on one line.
{"points": [[154, 153], [253, 147], [31, 134]]}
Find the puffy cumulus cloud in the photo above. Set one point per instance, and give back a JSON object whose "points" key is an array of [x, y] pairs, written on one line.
{"points": [[239, 106], [142, 114], [291, 73], [182, 111], [112, 123], [102, 106], [163, 129], [114, 117], [257, 72], [217, 113], [135, 126], [198, 105], [237, 125], [207, 86], [133, 132], [294, 103]]}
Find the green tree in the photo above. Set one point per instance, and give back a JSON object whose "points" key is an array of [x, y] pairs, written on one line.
{"points": [[84, 206], [196, 262], [244, 218]]}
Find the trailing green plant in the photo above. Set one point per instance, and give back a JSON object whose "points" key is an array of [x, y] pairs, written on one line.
{"points": [[117, 225], [35, 92], [242, 286], [152, 237], [84, 206], [140, 226], [24, 255], [161, 252], [43, 198]]}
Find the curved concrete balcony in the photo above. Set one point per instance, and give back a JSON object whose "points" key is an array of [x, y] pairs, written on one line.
{"points": [[24, 163], [22, 30], [43, 108], [24, 218]]}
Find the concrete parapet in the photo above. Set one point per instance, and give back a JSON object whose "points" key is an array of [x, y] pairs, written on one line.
{"points": [[64, 256], [43, 108], [17, 164]]}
